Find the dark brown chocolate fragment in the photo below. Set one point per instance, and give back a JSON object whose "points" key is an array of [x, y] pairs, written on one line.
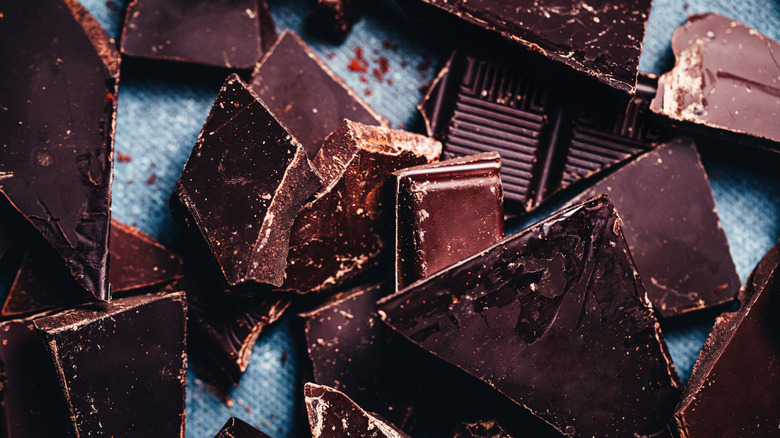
{"points": [[222, 33], [333, 415], [532, 315], [121, 366], [726, 81], [345, 230], [480, 429], [547, 138], [6, 239], [305, 95], [242, 187], [59, 94], [334, 18], [672, 229], [236, 428], [603, 41], [733, 386], [446, 212]]}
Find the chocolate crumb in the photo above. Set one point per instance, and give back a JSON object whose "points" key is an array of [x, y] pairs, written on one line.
{"points": [[123, 158], [152, 179]]}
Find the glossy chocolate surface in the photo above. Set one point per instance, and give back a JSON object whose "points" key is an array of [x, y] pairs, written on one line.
{"points": [[59, 92], [222, 33], [446, 212], [242, 187], [236, 428], [535, 313], [346, 230], [305, 95], [480, 429]]}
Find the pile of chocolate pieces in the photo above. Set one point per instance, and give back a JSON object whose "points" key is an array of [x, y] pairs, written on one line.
{"points": [[390, 245]]}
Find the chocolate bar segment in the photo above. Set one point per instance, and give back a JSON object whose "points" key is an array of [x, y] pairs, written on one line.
{"points": [[334, 18], [242, 187], [446, 212], [305, 95], [346, 230], [733, 386], [236, 428], [223, 33], [480, 429], [532, 315], [725, 81], [121, 367], [547, 139], [672, 229], [59, 96]]}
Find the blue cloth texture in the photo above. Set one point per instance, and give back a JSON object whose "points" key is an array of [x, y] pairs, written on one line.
{"points": [[160, 116]]}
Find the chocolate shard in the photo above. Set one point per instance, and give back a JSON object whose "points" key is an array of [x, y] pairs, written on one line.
{"points": [[242, 187], [143, 336], [480, 429], [733, 386], [672, 229], [59, 96], [563, 292], [6, 239], [236, 428], [446, 212], [547, 139], [333, 415], [306, 95], [222, 33], [334, 18], [603, 42], [344, 231], [725, 81]]}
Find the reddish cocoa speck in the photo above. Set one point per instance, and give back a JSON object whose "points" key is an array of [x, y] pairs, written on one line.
{"points": [[378, 75], [384, 64], [129, 181], [363, 79], [123, 158], [387, 44], [389, 82], [359, 52], [111, 5], [368, 92], [356, 65], [152, 179], [330, 55], [425, 65], [248, 410], [404, 64], [109, 97], [284, 357]]}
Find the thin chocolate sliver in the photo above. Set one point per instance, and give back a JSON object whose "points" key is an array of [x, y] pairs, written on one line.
{"points": [[237, 428]]}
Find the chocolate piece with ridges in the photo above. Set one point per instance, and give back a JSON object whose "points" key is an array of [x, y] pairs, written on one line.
{"points": [[334, 18], [222, 33], [333, 415], [672, 229], [562, 293], [733, 386], [59, 95], [306, 95], [345, 230], [446, 212], [480, 429], [726, 81], [236, 428], [242, 187], [546, 139]]}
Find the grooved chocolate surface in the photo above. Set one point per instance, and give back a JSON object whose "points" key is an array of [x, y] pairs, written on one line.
{"points": [[222, 33], [59, 95], [236, 428], [549, 317], [672, 228]]}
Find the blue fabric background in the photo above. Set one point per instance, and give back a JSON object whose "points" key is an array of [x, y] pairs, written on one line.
{"points": [[159, 119]]}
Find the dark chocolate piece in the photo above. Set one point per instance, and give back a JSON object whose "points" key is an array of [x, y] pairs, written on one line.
{"points": [[672, 229], [733, 389], [335, 18], [480, 429], [121, 366], [603, 41], [222, 33], [242, 187], [305, 95], [446, 212], [532, 315], [725, 79], [344, 231], [236, 428], [6, 239], [547, 139], [333, 415], [59, 94]]}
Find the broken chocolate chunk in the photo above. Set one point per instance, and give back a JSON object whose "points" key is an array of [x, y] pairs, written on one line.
{"points": [[335, 18], [548, 138], [333, 415], [236, 428], [725, 80], [564, 294], [59, 95], [306, 95], [345, 230], [733, 386], [446, 212], [480, 429], [222, 33], [242, 187], [121, 366], [672, 229]]}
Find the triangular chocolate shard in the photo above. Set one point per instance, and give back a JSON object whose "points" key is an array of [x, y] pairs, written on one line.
{"points": [[236, 428], [672, 229], [242, 187], [554, 318], [121, 367], [59, 96]]}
